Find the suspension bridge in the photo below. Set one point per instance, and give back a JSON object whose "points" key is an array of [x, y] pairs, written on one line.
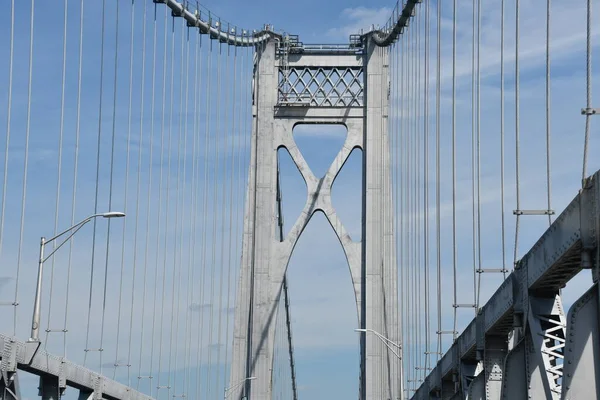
{"points": [[160, 153]]}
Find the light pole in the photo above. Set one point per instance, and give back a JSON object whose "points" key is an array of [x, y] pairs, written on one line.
{"points": [[251, 378], [35, 324], [385, 341]]}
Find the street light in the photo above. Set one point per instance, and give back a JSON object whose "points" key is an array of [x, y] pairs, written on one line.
{"points": [[35, 324], [385, 341], [251, 378]]}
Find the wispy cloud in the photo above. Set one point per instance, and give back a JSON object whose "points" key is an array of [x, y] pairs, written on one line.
{"points": [[353, 20], [4, 281], [199, 307]]}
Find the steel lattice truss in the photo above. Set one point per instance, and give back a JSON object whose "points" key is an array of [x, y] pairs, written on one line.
{"points": [[321, 87], [552, 330]]}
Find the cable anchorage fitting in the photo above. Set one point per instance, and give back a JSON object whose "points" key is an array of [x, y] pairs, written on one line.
{"points": [[590, 111], [121, 365], [447, 332], [483, 270], [533, 212], [464, 305], [424, 368]]}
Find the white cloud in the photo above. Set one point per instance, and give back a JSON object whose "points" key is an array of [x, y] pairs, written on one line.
{"points": [[353, 20]]}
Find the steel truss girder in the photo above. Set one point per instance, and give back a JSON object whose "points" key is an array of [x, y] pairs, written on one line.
{"points": [[547, 327], [58, 373], [517, 306], [581, 378], [9, 387], [321, 86], [9, 380]]}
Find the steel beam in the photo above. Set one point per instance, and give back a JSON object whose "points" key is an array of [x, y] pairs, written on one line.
{"points": [[30, 358], [556, 257], [581, 379]]}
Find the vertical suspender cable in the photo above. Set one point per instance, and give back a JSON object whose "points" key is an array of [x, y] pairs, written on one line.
{"points": [[503, 225], [517, 147], [148, 214], [205, 202], [155, 313], [223, 219], [25, 165], [183, 130], [176, 262], [382, 214], [193, 220], [186, 214], [402, 210], [99, 141], [426, 194], [402, 182], [409, 201], [239, 178], [588, 76], [8, 126], [59, 166], [230, 244], [239, 194], [167, 203], [75, 172], [478, 286], [438, 248], [253, 57], [194, 225], [454, 261], [395, 161], [548, 105], [203, 223], [409, 204], [397, 210], [414, 204], [215, 192], [414, 198], [138, 192], [473, 151], [418, 183], [110, 189], [126, 191], [410, 287]]}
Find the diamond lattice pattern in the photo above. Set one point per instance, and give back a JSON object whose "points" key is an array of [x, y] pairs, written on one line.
{"points": [[321, 87]]}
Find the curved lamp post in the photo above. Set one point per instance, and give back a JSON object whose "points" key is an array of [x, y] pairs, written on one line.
{"points": [[388, 343], [227, 390], [35, 324]]}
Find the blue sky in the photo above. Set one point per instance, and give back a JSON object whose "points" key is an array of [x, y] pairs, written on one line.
{"points": [[323, 310]]}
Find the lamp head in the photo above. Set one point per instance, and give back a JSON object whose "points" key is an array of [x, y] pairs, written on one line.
{"points": [[113, 214]]}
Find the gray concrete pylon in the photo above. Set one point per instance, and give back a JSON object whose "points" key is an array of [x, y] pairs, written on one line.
{"points": [[372, 261]]}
